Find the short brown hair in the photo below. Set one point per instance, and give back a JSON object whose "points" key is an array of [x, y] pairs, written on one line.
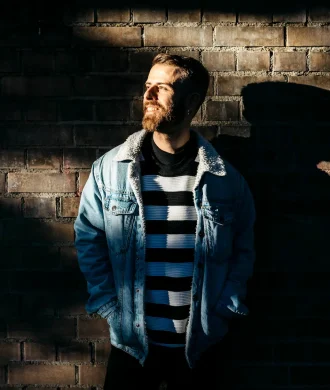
{"points": [[190, 69]]}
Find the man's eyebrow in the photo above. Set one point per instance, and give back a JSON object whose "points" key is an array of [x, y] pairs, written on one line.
{"points": [[160, 83]]}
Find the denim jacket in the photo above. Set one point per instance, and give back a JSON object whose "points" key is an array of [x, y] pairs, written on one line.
{"points": [[111, 245]]}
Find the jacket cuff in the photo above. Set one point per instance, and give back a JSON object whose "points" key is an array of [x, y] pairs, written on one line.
{"points": [[105, 310]]}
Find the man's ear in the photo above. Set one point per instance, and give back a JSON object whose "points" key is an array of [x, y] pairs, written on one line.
{"points": [[193, 102]]}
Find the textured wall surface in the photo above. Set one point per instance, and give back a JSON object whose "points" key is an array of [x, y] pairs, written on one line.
{"points": [[71, 88]]}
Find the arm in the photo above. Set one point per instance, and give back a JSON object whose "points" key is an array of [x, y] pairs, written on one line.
{"points": [[241, 263], [92, 249]]}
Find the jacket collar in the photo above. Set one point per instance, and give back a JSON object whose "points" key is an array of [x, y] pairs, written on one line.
{"points": [[207, 157]]}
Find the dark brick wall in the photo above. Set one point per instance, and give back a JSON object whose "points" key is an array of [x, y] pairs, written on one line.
{"points": [[71, 88]]}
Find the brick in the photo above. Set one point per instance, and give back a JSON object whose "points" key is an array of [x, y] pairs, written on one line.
{"points": [[107, 36], [222, 111], [113, 15], [40, 111], [76, 110], [36, 86], [33, 135], [137, 110], [208, 132], [10, 207], [83, 176], [255, 18], [320, 61], [92, 329], [319, 14], [10, 111], [72, 304], [141, 61], [114, 110], [9, 351], [36, 305], [109, 60], [308, 36], [313, 80], [184, 16], [256, 61], [38, 231], [175, 36], [306, 375], [9, 307], [232, 85], [219, 61], [148, 15], [69, 259], [67, 61], [262, 376], [102, 351], [37, 328], [2, 183], [249, 36], [125, 85], [103, 135], [34, 61], [69, 281], [2, 375], [39, 208], [210, 90], [297, 16], [75, 352], [44, 158], [39, 257], [41, 374], [9, 60], [92, 375], [236, 131], [34, 351], [188, 53], [79, 15], [11, 158], [214, 16], [290, 61], [39, 182], [69, 207], [79, 158]]}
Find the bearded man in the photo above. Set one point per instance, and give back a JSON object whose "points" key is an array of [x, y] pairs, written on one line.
{"points": [[164, 238]]}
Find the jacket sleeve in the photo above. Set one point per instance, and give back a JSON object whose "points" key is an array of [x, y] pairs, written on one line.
{"points": [[92, 249], [241, 263]]}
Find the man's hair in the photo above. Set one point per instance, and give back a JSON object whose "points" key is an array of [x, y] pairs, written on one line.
{"points": [[189, 69]]}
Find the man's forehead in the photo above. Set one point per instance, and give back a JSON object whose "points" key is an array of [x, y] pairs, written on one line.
{"points": [[163, 73]]}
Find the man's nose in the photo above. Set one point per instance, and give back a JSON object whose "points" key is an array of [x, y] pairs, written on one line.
{"points": [[151, 92]]}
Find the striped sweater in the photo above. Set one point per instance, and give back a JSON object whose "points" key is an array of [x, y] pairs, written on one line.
{"points": [[167, 184]]}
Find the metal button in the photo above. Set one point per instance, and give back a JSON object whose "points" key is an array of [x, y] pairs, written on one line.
{"points": [[201, 234], [137, 290], [113, 208], [137, 325]]}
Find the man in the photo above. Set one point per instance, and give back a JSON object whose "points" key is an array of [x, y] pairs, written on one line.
{"points": [[165, 240]]}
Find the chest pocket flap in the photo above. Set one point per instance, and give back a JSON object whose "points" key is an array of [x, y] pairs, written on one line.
{"points": [[218, 213], [119, 207]]}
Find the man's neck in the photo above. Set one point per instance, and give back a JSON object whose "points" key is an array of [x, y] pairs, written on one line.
{"points": [[171, 142]]}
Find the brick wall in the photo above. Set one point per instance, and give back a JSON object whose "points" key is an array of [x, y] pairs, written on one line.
{"points": [[71, 88]]}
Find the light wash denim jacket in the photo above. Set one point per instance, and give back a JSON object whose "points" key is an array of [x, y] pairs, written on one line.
{"points": [[111, 244]]}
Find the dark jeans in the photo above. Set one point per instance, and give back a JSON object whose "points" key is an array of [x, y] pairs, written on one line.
{"points": [[169, 365]]}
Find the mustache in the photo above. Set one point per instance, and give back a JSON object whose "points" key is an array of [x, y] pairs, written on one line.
{"points": [[153, 105]]}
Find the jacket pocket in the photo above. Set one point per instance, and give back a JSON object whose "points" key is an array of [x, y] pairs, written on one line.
{"points": [[120, 215], [218, 226]]}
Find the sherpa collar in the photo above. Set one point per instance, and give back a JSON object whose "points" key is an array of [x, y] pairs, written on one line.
{"points": [[208, 158]]}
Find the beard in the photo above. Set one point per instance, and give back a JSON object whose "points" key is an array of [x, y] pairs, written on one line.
{"points": [[164, 119]]}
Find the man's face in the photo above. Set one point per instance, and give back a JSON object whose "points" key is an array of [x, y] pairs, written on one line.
{"points": [[163, 101]]}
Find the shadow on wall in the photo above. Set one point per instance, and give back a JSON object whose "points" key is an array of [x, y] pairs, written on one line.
{"points": [[286, 161]]}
